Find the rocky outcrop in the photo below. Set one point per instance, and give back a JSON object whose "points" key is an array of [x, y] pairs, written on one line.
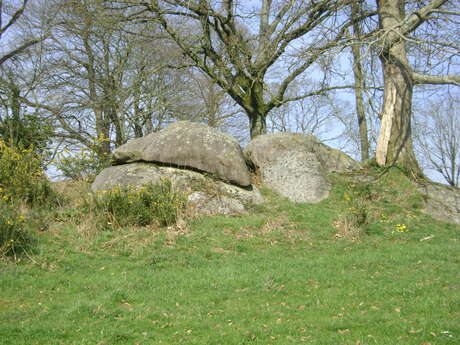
{"points": [[296, 165], [210, 168], [206, 195], [441, 202], [191, 146]]}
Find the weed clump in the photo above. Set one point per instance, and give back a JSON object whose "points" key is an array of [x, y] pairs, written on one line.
{"points": [[15, 237], [352, 223], [148, 204]]}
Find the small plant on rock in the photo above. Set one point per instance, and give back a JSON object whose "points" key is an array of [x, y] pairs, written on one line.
{"points": [[152, 203]]}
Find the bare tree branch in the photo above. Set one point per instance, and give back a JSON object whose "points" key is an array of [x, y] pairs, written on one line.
{"points": [[19, 49], [435, 80], [13, 18]]}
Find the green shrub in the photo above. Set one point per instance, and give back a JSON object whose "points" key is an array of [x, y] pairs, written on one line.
{"points": [[124, 206], [81, 166], [15, 237], [85, 164], [22, 177]]}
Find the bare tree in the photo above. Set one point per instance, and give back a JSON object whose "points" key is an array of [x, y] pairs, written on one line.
{"points": [[103, 85], [397, 29], [241, 45]]}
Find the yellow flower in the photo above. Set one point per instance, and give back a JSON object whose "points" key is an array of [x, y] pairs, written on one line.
{"points": [[400, 228]]}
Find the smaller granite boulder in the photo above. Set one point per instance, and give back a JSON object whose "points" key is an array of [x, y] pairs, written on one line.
{"points": [[206, 195], [192, 146], [200, 203], [296, 165]]}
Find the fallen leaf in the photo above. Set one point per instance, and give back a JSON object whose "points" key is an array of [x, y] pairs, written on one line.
{"points": [[427, 238], [415, 331], [220, 251]]}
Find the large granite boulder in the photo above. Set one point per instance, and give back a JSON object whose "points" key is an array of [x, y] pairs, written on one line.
{"points": [[192, 146], [296, 165], [206, 195], [441, 202]]}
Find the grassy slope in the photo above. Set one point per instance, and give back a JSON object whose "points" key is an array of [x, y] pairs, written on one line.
{"points": [[278, 276]]}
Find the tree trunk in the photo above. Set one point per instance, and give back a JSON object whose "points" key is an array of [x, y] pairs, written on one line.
{"points": [[102, 144], [137, 118], [15, 122], [394, 144], [359, 83], [395, 139], [258, 124], [360, 113], [254, 105], [111, 110]]}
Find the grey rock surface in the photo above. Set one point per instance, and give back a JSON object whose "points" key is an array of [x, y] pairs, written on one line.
{"points": [[200, 203], [296, 165], [220, 197], [442, 202], [189, 145]]}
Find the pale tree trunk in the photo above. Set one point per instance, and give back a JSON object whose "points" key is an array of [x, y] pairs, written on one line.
{"points": [[394, 146], [359, 83]]}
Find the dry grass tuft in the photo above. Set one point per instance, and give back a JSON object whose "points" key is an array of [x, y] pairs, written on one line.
{"points": [[347, 229], [87, 228]]}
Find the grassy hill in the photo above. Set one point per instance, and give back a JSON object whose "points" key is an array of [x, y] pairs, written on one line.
{"points": [[365, 266]]}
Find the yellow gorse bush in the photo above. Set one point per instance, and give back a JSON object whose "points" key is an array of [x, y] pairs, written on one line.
{"points": [[21, 174]]}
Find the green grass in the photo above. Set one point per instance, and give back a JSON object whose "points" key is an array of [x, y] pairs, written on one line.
{"points": [[278, 276]]}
